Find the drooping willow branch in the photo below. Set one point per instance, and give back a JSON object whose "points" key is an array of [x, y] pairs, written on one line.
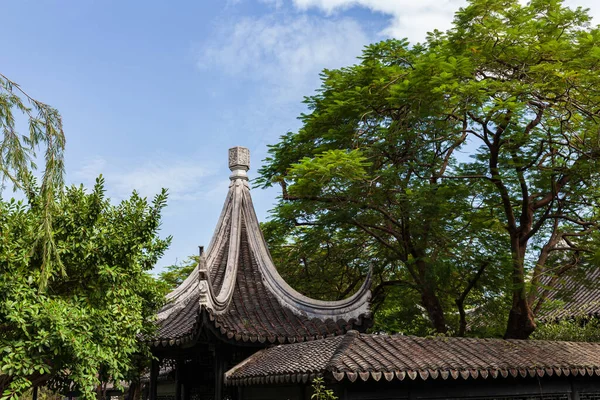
{"points": [[18, 156]]}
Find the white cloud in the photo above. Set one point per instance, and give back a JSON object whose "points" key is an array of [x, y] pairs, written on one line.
{"points": [[90, 170], [183, 179], [593, 5], [409, 18], [414, 18], [286, 53]]}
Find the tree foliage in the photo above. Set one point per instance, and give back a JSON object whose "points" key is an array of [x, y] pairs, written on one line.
{"points": [[320, 392], [582, 329], [465, 168], [18, 160], [87, 324], [174, 275]]}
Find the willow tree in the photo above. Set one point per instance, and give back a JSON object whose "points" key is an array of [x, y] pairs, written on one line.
{"points": [[471, 157], [18, 155]]}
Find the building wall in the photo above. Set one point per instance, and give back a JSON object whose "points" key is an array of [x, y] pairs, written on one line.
{"points": [[166, 390], [287, 392], [490, 389]]}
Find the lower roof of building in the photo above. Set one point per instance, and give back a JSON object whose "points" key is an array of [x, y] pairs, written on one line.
{"points": [[397, 357]]}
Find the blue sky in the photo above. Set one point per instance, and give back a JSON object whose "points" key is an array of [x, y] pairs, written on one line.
{"points": [[153, 93]]}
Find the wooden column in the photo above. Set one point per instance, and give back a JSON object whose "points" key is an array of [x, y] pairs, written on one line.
{"points": [[574, 391], [154, 380], [178, 378], [187, 391], [219, 371]]}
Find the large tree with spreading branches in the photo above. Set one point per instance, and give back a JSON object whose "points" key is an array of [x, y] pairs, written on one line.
{"points": [[464, 166]]}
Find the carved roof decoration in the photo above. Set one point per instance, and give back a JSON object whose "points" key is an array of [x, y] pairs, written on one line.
{"points": [[365, 357], [236, 291]]}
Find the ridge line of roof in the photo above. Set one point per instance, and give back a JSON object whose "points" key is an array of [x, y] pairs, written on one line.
{"points": [[345, 343], [354, 306]]}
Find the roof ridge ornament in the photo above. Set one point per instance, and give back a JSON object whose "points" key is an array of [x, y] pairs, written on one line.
{"points": [[239, 162], [203, 278]]}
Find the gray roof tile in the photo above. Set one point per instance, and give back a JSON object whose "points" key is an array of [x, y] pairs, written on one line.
{"points": [[238, 291], [578, 296], [363, 356]]}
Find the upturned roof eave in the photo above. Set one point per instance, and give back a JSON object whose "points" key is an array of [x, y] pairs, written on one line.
{"points": [[239, 206], [238, 218]]}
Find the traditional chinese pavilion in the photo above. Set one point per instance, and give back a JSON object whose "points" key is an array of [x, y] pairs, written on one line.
{"points": [[235, 303]]}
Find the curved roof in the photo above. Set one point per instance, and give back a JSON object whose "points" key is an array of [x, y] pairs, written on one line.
{"points": [[397, 357], [237, 292]]}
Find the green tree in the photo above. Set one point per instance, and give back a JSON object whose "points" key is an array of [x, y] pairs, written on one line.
{"points": [[18, 156], [320, 392], [175, 274], [582, 329], [328, 264], [87, 324], [469, 162]]}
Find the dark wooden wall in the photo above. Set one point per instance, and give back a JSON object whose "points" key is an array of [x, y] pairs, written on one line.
{"points": [[490, 389]]}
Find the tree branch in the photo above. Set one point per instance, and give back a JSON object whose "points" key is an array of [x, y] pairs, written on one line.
{"points": [[461, 299]]}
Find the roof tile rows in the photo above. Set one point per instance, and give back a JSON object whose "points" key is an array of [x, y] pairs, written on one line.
{"points": [[237, 292], [180, 325], [248, 322], [364, 357], [581, 297], [254, 315]]}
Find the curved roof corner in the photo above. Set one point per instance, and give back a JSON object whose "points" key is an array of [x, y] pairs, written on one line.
{"points": [[237, 283]]}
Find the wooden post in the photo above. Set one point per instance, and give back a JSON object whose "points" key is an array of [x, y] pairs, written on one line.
{"points": [[35, 393], [219, 371], [178, 376], [574, 391], [154, 380]]}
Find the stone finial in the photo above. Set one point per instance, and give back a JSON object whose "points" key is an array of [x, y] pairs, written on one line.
{"points": [[239, 162]]}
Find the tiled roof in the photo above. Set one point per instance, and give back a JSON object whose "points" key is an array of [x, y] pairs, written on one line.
{"points": [[237, 292], [377, 357], [179, 321], [259, 318], [298, 361], [579, 296]]}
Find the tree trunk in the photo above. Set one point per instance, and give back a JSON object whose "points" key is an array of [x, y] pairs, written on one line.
{"points": [[134, 390], [99, 392], [521, 322], [462, 325], [4, 382], [434, 309]]}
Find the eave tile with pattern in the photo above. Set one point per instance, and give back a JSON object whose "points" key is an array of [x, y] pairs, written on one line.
{"points": [[363, 357]]}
